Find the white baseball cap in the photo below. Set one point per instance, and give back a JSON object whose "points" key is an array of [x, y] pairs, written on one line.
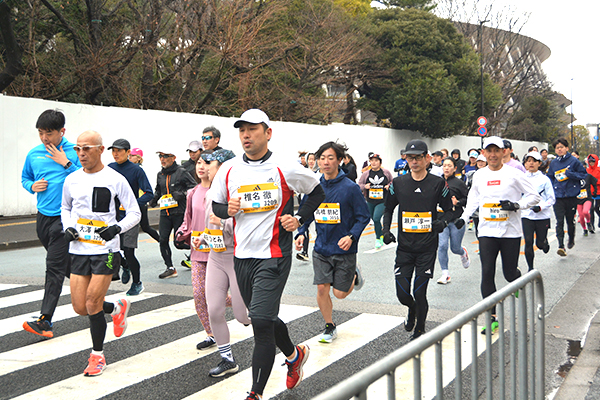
{"points": [[481, 157], [493, 140], [536, 156], [253, 116]]}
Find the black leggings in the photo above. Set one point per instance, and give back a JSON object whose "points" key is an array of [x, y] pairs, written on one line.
{"points": [[167, 224], [145, 223], [419, 299], [509, 252], [267, 335], [596, 208], [132, 263], [565, 209], [540, 228]]}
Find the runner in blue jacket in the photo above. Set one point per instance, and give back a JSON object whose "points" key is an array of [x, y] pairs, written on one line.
{"points": [[340, 220]]}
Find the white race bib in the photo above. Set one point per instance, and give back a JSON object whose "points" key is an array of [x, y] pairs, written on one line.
{"points": [[561, 175], [328, 213], [416, 222], [582, 194], [167, 201], [196, 236], [494, 212], [214, 238], [259, 198], [87, 231], [376, 194]]}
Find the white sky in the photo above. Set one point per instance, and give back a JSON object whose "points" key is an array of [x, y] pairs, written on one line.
{"points": [[571, 31]]}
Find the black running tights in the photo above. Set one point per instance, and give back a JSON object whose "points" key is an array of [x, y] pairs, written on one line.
{"points": [[132, 263], [539, 227], [419, 299], [98, 330], [509, 249]]}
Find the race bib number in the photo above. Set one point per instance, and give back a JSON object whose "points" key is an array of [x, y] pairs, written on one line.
{"points": [[328, 213], [459, 176], [87, 231], [376, 194], [582, 194], [416, 222], [196, 236], [214, 238], [121, 208], [561, 175], [167, 201], [259, 198], [493, 212]]}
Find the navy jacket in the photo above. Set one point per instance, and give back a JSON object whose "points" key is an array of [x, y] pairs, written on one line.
{"points": [[354, 216], [574, 172]]}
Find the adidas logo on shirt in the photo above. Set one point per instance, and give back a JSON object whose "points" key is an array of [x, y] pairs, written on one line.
{"points": [[418, 190], [428, 271]]}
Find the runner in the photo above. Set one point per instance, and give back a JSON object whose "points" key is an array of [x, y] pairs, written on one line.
{"points": [[584, 202], [194, 223], [257, 190], [565, 173], [303, 255], [436, 164], [194, 149], [90, 200], [536, 220], [136, 157], [172, 184], [499, 192], [349, 167], [220, 275], [593, 170], [452, 234], [211, 137], [375, 183], [401, 163], [474, 221], [44, 172], [508, 160], [417, 195], [138, 181], [340, 220], [460, 163]]}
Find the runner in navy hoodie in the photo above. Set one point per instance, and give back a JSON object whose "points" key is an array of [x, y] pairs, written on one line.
{"points": [[565, 173]]}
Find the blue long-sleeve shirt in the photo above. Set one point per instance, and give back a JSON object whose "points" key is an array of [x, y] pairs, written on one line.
{"points": [[137, 179], [38, 165]]}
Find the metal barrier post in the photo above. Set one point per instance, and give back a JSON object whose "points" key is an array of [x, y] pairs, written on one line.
{"points": [[417, 377], [540, 338], [474, 376], [523, 344], [458, 365], [501, 349], [513, 348], [439, 383]]}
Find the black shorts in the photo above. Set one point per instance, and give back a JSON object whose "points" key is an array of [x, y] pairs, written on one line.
{"points": [[420, 263], [261, 283], [339, 270], [99, 264]]}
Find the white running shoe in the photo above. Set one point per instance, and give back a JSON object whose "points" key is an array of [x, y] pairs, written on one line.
{"points": [[465, 258], [444, 279]]}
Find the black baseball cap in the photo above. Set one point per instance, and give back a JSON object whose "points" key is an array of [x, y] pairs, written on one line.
{"points": [[437, 153], [120, 144], [416, 147], [507, 144]]}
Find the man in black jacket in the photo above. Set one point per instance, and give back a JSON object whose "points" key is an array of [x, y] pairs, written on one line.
{"points": [[172, 184]]}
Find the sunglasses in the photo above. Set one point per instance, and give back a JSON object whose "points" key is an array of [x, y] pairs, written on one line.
{"points": [[165, 155], [85, 148], [206, 137]]}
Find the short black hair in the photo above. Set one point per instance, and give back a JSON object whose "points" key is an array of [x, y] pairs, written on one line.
{"points": [[562, 141], [576, 152], [531, 148], [215, 131], [51, 120], [340, 149], [543, 150], [450, 159]]}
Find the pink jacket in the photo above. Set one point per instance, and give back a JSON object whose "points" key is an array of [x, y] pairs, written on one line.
{"points": [[194, 219]]}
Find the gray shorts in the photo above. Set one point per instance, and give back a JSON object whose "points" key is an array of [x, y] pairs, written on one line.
{"points": [[339, 270], [261, 283], [129, 239], [100, 264]]}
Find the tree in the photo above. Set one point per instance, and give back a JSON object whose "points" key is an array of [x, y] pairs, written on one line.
{"points": [[538, 119], [432, 81], [582, 142], [12, 51], [425, 5]]}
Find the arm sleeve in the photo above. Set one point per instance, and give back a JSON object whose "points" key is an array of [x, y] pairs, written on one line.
{"points": [[472, 200], [307, 221], [220, 210], [313, 200], [361, 212], [388, 175], [27, 178], [549, 198], [156, 192], [445, 202], [187, 217], [132, 209], [145, 187], [363, 180], [576, 171], [530, 195], [463, 193], [391, 202], [66, 218]]}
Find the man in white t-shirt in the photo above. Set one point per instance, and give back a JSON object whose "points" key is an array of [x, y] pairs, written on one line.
{"points": [[90, 200]]}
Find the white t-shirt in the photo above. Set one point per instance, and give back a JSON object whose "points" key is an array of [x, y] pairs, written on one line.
{"points": [[88, 202], [266, 189], [488, 189]]}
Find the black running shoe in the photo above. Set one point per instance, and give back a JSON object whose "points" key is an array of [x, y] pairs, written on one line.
{"points": [[41, 327], [409, 324], [417, 333], [225, 367], [571, 244], [206, 343]]}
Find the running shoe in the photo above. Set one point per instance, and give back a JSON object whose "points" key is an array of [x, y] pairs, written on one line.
{"points": [[329, 333], [590, 227], [41, 327], [96, 365], [561, 252], [359, 281], [295, 373], [470, 227], [417, 333], [169, 273], [302, 256], [136, 288], [120, 319], [253, 396], [585, 232], [378, 244], [206, 343], [225, 367], [444, 279], [186, 263], [125, 276], [494, 325], [546, 248], [571, 244], [409, 324], [466, 261]]}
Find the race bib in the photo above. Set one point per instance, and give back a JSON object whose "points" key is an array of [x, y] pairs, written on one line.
{"points": [[416, 222], [167, 201], [561, 175], [121, 208], [328, 213], [376, 194], [459, 176], [493, 212], [214, 238], [582, 194], [87, 231], [196, 236], [259, 198]]}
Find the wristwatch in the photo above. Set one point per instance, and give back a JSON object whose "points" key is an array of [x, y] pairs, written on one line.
{"points": [[300, 219], [67, 165], [351, 236]]}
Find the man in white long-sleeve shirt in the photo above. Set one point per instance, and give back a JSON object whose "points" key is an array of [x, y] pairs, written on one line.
{"points": [[90, 200], [499, 192]]}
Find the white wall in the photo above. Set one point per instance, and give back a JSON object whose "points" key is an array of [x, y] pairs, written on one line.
{"points": [[149, 129]]}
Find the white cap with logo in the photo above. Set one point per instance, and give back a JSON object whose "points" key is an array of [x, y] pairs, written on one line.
{"points": [[493, 140], [253, 116]]}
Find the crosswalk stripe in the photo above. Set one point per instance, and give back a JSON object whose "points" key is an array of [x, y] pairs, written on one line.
{"points": [[15, 324], [7, 286], [149, 363], [353, 334], [28, 297]]}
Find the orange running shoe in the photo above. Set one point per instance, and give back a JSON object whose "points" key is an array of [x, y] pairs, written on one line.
{"points": [[120, 319], [41, 327], [96, 365], [295, 373]]}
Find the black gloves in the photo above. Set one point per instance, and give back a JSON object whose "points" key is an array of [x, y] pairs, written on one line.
{"points": [[108, 232], [508, 205], [153, 203], [71, 234], [180, 244], [438, 226], [459, 223], [536, 208], [388, 237]]}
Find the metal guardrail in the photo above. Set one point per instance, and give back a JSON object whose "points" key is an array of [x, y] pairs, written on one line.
{"points": [[525, 383]]}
